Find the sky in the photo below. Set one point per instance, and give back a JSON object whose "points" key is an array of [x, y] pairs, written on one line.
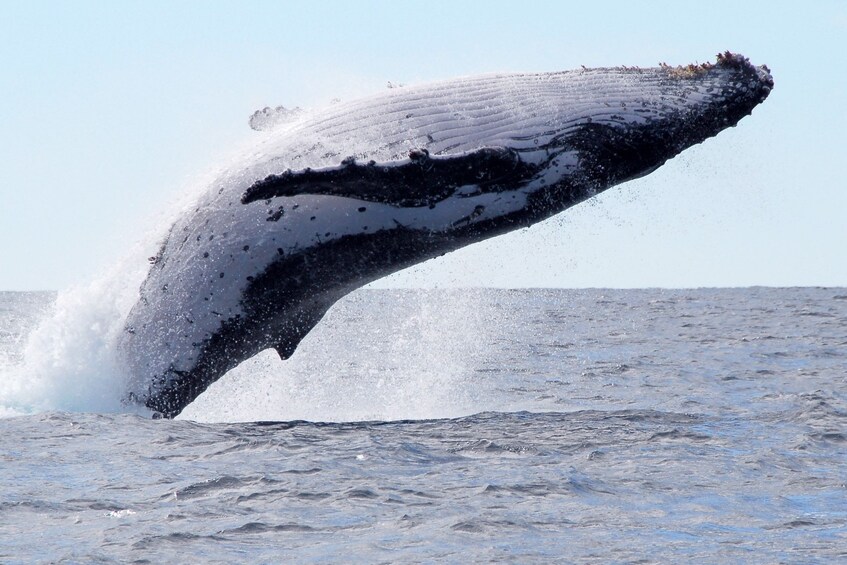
{"points": [[111, 109]]}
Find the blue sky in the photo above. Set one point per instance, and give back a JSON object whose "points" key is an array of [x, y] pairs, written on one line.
{"points": [[109, 109]]}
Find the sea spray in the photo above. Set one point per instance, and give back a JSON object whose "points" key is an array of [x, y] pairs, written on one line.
{"points": [[69, 361], [410, 357], [376, 355]]}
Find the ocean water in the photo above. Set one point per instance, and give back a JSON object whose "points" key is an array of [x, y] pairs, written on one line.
{"points": [[595, 426]]}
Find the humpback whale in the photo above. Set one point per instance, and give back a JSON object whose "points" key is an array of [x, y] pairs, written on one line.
{"points": [[343, 196]]}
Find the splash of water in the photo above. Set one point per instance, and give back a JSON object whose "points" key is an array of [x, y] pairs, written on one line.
{"points": [[69, 359], [375, 356], [391, 365]]}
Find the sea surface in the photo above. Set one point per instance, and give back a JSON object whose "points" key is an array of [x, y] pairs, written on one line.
{"points": [[570, 426]]}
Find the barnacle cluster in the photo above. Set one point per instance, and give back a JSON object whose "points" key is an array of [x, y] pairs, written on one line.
{"points": [[725, 59]]}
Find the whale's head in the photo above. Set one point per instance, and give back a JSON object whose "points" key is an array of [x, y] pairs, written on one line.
{"points": [[624, 123]]}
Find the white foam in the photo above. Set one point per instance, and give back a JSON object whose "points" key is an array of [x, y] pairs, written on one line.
{"points": [[69, 358]]}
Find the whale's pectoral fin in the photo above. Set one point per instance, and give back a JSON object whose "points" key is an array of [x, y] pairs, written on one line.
{"points": [[420, 180]]}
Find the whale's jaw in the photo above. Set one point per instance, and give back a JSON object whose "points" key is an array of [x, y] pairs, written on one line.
{"points": [[271, 247]]}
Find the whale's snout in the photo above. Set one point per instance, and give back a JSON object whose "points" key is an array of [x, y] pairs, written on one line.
{"points": [[755, 81], [766, 80], [730, 60], [662, 111], [732, 86]]}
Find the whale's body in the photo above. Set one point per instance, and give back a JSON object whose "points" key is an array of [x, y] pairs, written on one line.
{"points": [[345, 196]]}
